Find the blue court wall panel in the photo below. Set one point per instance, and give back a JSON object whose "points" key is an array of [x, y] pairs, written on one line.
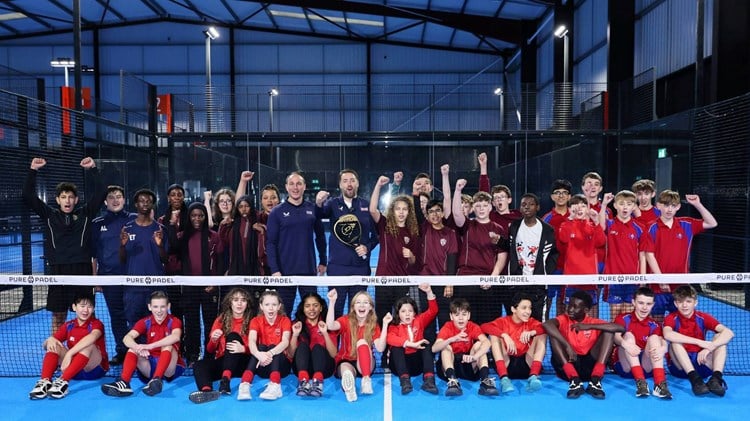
{"points": [[544, 57], [256, 58], [291, 79], [347, 79], [161, 33], [345, 58], [665, 35], [590, 44], [392, 58], [301, 58]]}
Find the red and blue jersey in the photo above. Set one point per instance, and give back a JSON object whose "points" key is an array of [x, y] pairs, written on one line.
{"points": [[694, 326]]}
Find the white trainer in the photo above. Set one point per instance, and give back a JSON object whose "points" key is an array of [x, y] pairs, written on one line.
{"points": [[272, 392], [347, 383], [366, 386], [243, 392]]}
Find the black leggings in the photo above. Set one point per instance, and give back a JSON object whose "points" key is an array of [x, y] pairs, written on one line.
{"points": [[208, 370], [313, 360], [420, 362], [193, 301], [280, 363]]}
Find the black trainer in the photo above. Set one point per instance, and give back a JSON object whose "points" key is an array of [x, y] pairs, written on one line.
{"points": [[118, 388], [203, 396], [428, 385], [406, 386], [717, 386], [699, 388], [575, 389], [153, 387], [595, 388], [316, 388], [224, 387], [487, 387], [303, 388], [641, 389], [454, 387], [661, 391]]}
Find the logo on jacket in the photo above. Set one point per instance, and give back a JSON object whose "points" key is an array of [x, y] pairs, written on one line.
{"points": [[443, 242], [103, 228], [286, 214], [406, 240]]}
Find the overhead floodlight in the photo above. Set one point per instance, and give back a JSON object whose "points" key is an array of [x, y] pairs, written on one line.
{"points": [[335, 19], [64, 62], [12, 16], [561, 31], [211, 32], [273, 92], [498, 91]]}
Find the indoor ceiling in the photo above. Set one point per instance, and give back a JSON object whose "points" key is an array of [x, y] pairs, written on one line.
{"points": [[485, 26]]}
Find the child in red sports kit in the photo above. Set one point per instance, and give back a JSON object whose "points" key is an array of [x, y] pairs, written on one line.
{"points": [[227, 345], [645, 191], [691, 356], [463, 352], [581, 237], [268, 339], [410, 351], [77, 347], [359, 332], [156, 359], [580, 346], [312, 347], [671, 238], [518, 344], [627, 243], [640, 349]]}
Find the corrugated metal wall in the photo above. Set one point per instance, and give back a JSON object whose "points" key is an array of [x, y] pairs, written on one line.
{"points": [[665, 34], [456, 87], [590, 47]]}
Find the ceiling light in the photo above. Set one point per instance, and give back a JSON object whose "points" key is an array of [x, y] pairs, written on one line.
{"points": [[311, 16]]}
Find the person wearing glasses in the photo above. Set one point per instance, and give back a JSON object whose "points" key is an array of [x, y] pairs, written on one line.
{"points": [[561, 190]]}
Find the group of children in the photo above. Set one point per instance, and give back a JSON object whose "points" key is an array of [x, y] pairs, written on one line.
{"points": [[479, 235], [317, 345]]}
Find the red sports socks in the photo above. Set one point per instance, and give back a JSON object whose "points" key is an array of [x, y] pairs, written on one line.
{"points": [[364, 356], [77, 363], [49, 365]]}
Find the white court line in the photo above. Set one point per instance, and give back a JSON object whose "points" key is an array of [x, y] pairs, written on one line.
{"points": [[387, 398]]}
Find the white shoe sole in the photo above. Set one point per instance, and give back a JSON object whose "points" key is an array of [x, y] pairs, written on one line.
{"points": [[347, 383]]}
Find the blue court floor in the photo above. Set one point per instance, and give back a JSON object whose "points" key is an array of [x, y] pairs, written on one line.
{"points": [[549, 403]]}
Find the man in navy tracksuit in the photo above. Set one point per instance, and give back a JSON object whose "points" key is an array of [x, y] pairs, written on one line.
{"points": [[105, 232], [66, 234], [345, 259], [289, 240]]}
